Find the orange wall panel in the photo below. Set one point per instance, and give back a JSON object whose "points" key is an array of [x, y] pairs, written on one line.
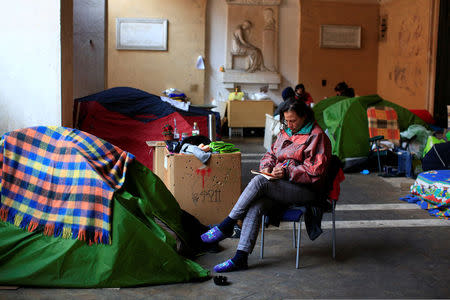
{"points": [[357, 67], [155, 71], [404, 57]]}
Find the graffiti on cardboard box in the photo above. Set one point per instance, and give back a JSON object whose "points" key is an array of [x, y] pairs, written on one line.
{"points": [[212, 196]]}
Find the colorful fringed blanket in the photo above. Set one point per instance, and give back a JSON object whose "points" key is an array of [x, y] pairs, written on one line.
{"points": [[60, 181], [431, 191]]}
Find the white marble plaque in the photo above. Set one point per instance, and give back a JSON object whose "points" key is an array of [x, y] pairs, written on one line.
{"points": [[141, 34], [340, 36]]}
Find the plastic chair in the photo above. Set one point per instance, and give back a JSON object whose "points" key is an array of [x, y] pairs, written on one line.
{"points": [[295, 214]]}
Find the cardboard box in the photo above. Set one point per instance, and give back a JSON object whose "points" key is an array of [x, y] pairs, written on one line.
{"points": [[209, 191], [248, 113]]}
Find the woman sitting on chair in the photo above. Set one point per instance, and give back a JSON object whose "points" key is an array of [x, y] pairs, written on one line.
{"points": [[298, 161]]}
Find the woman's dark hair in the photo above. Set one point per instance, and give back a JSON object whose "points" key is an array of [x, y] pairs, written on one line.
{"points": [[341, 86], [287, 93], [344, 90], [348, 92], [300, 86], [299, 107]]}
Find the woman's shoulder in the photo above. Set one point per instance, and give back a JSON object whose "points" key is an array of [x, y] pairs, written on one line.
{"points": [[282, 135], [317, 131], [317, 128]]}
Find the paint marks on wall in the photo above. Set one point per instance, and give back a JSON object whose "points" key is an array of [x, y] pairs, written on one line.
{"points": [[411, 37], [403, 61], [408, 77], [411, 40], [402, 77]]}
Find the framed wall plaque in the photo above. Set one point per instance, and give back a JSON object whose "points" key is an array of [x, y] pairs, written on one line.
{"points": [[340, 36], [141, 34]]}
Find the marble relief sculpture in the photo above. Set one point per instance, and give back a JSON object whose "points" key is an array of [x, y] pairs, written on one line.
{"points": [[269, 32], [251, 56], [241, 46], [269, 20]]}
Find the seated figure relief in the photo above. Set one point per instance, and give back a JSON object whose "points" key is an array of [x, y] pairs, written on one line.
{"points": [[241, 46]]}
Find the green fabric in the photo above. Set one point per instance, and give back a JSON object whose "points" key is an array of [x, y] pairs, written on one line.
{"points": [[322, 105], [347, 124], [223, 147], [141, 253]]}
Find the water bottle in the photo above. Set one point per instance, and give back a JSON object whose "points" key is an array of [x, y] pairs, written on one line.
{"points": [[195, 130], [176, 134]]}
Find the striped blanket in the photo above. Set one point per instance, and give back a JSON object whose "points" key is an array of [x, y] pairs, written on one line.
{"points": [[60, 181]]}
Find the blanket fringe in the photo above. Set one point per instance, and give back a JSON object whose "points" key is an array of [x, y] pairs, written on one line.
{"points": [[27, 223], [49, 229], [98, 237], [67, 233], [82, 235], [106, 239], [32, 226], [18, 220], [4, 213]]}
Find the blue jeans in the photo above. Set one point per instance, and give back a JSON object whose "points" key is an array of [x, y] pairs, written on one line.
{"points": [[257, 197]]}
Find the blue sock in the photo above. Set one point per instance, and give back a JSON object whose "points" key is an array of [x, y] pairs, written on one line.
{"points": [[227, 226], [240, 258]]}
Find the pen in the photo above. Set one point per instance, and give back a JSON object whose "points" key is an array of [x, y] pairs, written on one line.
{"points": [[285, 164]]}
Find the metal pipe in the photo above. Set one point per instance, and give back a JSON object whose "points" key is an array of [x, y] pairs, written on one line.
{"points": [[212, 127]]}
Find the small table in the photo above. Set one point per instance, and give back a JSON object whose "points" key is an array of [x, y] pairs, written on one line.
{"points": [[247, 113]]}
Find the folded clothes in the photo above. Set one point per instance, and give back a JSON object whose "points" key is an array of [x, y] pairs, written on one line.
{"points": [[180, 105], [199, 153]]}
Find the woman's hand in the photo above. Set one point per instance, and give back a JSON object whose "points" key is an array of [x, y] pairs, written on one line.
{"points": [[205, 148], [278, 172], [266, 170]]}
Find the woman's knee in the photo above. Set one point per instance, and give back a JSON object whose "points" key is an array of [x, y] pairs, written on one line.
{"points": [[258, 181], [259, 207]]}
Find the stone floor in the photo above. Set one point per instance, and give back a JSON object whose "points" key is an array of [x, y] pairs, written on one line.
{"points": [[386, 248]]}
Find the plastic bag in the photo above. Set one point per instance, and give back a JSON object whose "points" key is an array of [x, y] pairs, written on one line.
{"points": [[416, 130], [417, 135], [259, 96]]}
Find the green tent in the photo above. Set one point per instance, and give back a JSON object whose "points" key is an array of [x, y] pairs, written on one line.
{"points": [[347, 124], [141, 252], [77, 211], [324, 104]]}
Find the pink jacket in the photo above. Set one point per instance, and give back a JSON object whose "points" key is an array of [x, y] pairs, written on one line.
{"points": [[306, 155]]}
